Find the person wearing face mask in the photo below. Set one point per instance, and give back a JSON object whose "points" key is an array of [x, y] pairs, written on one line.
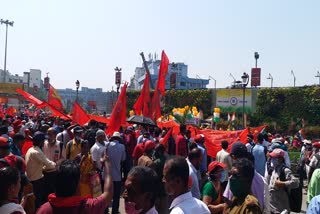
{"points": [[281, 180], [240, 181], [213, 189], [141, 189], [73, 147]]}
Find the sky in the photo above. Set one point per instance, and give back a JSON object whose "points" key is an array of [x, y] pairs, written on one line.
{"points": [[85, 40]]}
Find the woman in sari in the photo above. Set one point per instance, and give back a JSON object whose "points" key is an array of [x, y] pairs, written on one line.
{"points": [[86, 170], [213, 189]]}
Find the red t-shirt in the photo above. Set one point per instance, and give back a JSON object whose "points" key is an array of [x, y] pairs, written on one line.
{"points": [[91, 205], [181, 146], [138, 151]]}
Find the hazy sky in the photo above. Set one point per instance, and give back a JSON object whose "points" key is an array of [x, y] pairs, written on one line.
{"points": [[86, 40]]}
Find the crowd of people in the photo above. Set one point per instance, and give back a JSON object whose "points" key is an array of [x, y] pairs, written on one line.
{"points": [[48, 165]]}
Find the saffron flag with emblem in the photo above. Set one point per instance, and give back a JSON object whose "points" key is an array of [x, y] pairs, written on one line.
{"points": [[119, 112], [79, 115], [54, 99], [141, 106]]}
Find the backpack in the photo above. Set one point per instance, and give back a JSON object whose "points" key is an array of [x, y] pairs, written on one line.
{"points": [[294, 195]]}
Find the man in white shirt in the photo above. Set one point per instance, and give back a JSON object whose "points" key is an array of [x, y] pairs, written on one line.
{"points": [[175, 179], [223, 156], [194, 161], [98, 149]]}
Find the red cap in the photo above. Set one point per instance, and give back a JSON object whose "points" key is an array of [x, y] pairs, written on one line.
{"points": [[4, 144], [149, 145], [277, 153], [215, 164], [316, 144]]}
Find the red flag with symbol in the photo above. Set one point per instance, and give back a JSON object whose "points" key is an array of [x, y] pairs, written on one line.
{"points": [[79, 115], [119, 112], [54, 99]]}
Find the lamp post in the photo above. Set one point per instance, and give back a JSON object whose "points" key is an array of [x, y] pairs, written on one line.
{"points": [[118, 79], [198, 77], [294, 78], [270, 78], [256, 56], [318, 75], [6, 22], [215, 82], [77, 87], [245, 81]]}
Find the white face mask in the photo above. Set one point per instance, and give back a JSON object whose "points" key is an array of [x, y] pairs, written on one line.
{"points": [[130, 208]]}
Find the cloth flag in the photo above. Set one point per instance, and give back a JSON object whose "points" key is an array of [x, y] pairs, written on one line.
{"points": [[54, 99], [30, 98], [141, 106], [229, 117], [79, 115], [163, 71], [11, 111], [155, 106], [119, 112], [166, 138]]}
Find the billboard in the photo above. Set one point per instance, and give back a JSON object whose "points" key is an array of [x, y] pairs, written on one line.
{"points": [[9, 88], [231, 100], [255, 77], [118, 77]]}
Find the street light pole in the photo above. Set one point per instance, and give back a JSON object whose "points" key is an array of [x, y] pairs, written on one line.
{"points": [[6, 22], [318, 75], [294, 78], [245, 81], [118, 79], [77, 86], [215, 82], [256, 56], [270, 78]]}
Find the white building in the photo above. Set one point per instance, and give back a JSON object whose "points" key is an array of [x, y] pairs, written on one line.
{"points": [[31, 79]]}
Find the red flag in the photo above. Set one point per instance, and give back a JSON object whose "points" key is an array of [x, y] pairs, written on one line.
{"points": [[54, 99], [142, 103], [155, 106], [166, 138], [119, 112], [11, 111], [163, 70], [79, 115], [30, 97]]}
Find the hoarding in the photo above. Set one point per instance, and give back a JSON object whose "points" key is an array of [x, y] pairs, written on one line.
{"points": [[231, 100]]}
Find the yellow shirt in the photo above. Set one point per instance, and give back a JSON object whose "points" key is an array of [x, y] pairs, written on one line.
{"points": [[75, 149]]}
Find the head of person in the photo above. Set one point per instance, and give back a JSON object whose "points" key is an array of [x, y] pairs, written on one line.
{"points": [[38, 139], [141, 187], [260, 138], [176, 176], [249, 138], [100, 136], [183, 129], [129, 130], [199, 139], [17, 124], [238, 150], [67, 179], [192, 145], [93, 124], [195, 157], [4, 147], [224, 144], [4, 130], [44, 128], [240, 181], [10, 183], [77, 132], [18, 140], [217, 172], [52, 134], [188, 134], [149, 148], [159, 150], [146, 136], [116, 137], [85, 147], [277, 156]]}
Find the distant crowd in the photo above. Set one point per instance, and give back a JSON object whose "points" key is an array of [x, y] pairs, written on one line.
{"points": [[49, 165]]}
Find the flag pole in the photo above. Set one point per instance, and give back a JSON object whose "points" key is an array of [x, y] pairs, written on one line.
{"points": [[146, 68]]}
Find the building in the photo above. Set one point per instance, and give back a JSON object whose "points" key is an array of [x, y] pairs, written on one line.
{"points": [[177, 77]]}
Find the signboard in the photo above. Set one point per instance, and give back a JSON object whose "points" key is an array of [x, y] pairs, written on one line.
{"points": [[9, 88], [231, 100], [193, 121], [118, 77], [173, 80], [46, 83], [255, 76]]}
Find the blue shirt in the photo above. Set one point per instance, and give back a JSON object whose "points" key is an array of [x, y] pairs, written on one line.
{"points": [[258, 152], [203, 167], [13, 148], [314, 206]]}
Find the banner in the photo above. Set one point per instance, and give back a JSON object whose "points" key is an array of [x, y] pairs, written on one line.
{"points": [[231, 100]]}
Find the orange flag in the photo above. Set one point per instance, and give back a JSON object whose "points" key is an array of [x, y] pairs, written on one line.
{"points": [[119, 112], [79, 115], [54, 99], [141, 106]]}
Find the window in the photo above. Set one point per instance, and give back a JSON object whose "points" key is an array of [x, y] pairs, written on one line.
{"points": [[182, 83]]}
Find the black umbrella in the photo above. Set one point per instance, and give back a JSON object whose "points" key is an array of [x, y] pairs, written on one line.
{"points": [[141, 120]]}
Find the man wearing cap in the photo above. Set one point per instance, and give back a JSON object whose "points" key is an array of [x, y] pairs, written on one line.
{"points": [[146, 158], [98, 149], [37, 161], [73, 147], [259, 186], [281, 179], [117, 155]]}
